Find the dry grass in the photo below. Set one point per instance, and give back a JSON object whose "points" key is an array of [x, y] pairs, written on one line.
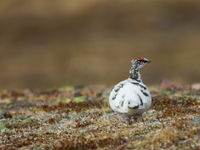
{"points": [[80, 118]]}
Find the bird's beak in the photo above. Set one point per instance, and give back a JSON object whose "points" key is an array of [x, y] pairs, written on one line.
{"points": [[147, 61]]}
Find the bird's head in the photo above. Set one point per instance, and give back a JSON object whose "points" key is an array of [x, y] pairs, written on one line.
{"points": [[139, 62]]}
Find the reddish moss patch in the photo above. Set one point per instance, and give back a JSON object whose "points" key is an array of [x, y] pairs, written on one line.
{"points": [[90, 144], [174, 107], [72, 106]]}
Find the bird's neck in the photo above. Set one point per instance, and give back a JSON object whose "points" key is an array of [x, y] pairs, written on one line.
{"points": [[135, 74]]}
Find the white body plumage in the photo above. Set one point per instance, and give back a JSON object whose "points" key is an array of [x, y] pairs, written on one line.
{"points": [[131, 96]]}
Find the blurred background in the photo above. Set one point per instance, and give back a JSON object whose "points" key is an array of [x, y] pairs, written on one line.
{"points": [[48, 43]]}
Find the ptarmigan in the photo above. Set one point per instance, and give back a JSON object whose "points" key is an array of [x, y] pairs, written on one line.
{"points": [[131, 97]]}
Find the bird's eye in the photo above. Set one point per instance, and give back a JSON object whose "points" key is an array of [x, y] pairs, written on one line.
{"points": [[140, 59]]}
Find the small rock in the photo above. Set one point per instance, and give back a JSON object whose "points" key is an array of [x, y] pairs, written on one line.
{"points": [[196, 86], [196, 121], [157, 124], [167, 83], [68, 117]]}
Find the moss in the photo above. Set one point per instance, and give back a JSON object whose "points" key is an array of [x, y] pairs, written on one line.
{"points": [[79, 99], [67, 88], [27, 120], [63, 100], [4, 129]]}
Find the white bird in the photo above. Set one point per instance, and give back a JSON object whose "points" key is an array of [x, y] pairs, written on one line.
{"points": [[131, 97]]}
